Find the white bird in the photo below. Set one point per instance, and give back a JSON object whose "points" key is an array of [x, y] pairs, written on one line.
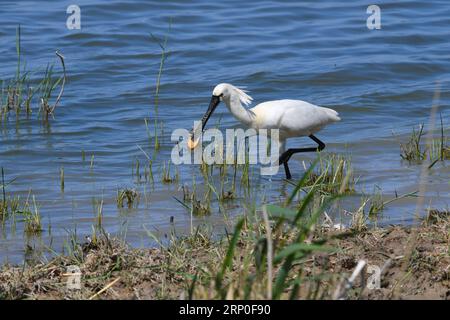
{"points": [[293, 118]]}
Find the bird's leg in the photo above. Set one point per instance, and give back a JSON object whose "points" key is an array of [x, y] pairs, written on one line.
{"points": [[287, 171], [284, 158], [320, 144]]}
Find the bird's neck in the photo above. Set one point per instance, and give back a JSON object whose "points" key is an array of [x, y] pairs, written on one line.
{"points": [[238, 111]]}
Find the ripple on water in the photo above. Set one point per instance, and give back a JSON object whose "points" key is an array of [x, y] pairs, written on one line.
{"points": [[380, 82]]}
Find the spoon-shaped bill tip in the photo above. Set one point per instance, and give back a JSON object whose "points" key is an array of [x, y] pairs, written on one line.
{"points": [[192, 144]]}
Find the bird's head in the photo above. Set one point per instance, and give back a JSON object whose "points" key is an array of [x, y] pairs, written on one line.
{"points": [[224, 92], [221, 92]]}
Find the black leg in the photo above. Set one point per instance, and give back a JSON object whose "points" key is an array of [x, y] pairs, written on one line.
{"points": [[287, 171], [284, 158]]}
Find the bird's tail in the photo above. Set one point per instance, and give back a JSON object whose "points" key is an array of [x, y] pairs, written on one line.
{"points": [[332, 114]]}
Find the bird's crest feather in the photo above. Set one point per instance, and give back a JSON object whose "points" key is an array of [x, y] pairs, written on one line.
{"points": [[243, 96]]}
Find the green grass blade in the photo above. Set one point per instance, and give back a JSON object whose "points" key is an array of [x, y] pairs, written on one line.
{"points": [[227, 262], [301, 183], [300, 248]]}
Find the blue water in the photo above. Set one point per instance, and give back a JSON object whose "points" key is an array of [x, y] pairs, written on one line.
{"points": [[380, 81]]}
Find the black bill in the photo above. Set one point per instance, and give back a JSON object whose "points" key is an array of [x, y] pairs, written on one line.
{"points": [[215, 100]]}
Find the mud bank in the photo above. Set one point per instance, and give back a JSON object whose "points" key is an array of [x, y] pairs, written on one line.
{"points": [[412, 263]]}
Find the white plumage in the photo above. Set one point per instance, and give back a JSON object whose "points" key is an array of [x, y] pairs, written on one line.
{"points": [[294, 118]]}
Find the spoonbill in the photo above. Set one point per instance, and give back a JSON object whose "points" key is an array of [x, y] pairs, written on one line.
{"points": [[293, 118]]}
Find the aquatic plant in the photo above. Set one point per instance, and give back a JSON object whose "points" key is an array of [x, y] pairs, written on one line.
{"points": [[156, 136], [196, 207], [99, 216], [376, 204], [18, 93], [9, 206], [12, 208], [61, 178], [130, 196], [359, 218], [12, 97], [200, 208], [164, 54], [333, 175], [437, 149], [412, 149], [166, 176], [91, 164], [148, 170], [48, 85], [32, 219]]}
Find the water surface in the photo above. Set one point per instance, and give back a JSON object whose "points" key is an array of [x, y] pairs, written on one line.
{"points": [[380, 81]]}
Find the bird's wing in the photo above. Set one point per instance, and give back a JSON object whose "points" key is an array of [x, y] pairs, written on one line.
{"points": [[303, 118]]}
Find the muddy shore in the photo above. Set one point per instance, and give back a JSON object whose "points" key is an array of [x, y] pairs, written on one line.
{"points": [[413, 263]]}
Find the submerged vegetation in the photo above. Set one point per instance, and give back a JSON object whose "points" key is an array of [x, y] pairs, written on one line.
{"points": [[12, 208], [334, 175], [32, 218], [416, 150], [130, 196], [193, 205], [19, 94], [158, 125], [166, 175], [412, 149]]}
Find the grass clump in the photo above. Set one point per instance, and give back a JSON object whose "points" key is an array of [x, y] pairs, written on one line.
{"points": [[415, 150], [128, 196], [9, 206], [18, 94], [334, 174], [412, 149], [32, 219], [437, 216], [166, 176], [199, 208], [196, 207], [48, 85], [375, 203]]}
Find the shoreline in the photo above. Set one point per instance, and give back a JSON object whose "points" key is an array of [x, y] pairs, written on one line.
{"points": [[188, 268]]}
